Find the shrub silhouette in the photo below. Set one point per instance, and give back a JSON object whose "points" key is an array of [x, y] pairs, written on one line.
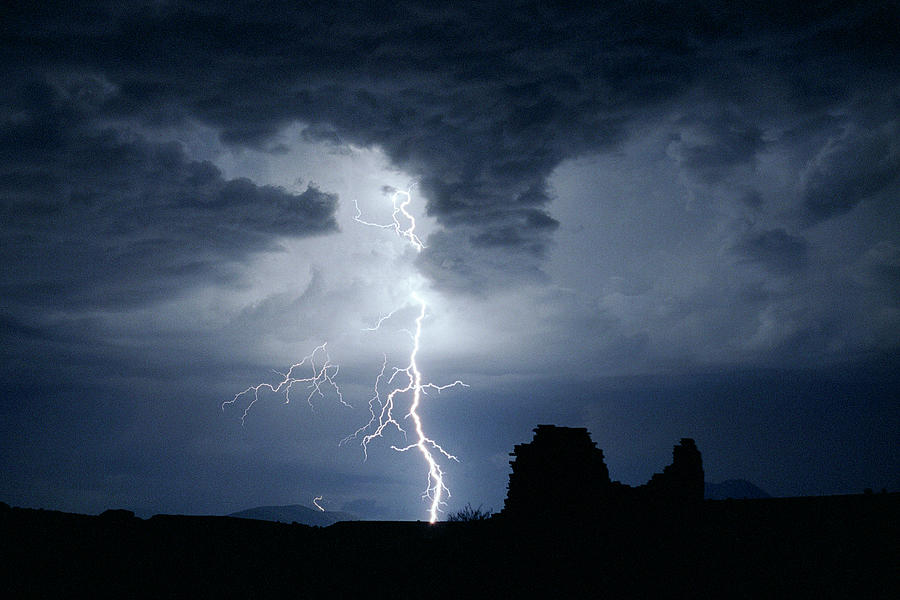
{"points": [[467, 513]]}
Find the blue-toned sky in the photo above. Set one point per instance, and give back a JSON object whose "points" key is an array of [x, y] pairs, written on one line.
{"points": [[652, 219]]}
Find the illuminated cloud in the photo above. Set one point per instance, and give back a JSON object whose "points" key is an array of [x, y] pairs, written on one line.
{"points": [[99, 215]]}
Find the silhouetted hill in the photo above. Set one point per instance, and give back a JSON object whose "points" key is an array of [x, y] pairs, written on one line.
{"points": [[737, 489], [821, 547], [295, 513]]}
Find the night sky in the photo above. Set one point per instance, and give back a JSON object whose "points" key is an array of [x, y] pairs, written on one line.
{"points": [[652, 219]]}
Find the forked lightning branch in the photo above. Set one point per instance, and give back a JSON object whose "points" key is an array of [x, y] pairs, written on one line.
{"points": [[393, 385]]}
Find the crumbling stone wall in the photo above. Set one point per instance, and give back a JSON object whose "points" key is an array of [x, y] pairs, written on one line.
{"points": [[562, 474]]}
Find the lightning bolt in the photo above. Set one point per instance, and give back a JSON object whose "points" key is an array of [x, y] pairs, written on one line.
{"points": [[406, 380], [316, 502], [400, 208], [320, 373]]}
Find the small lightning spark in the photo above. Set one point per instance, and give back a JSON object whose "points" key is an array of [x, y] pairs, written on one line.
{"points": [[408, 232], [316, 502], [381, 320], [321, 373], [406, 380]]}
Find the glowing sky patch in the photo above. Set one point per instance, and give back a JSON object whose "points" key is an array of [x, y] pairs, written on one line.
{"points": [[316, 371]]}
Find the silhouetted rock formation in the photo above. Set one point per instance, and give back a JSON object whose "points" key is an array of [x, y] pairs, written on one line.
{"points": [[560, 471], [561, 474], [682, 481]]}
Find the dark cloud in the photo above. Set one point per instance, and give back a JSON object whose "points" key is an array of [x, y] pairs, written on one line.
{"points": [[751, 198], [481, 102], [99, 215], [878, 274], [467, 261], [519, 230], [857, 164], [710, 146], [15, 329], [776, 249]]}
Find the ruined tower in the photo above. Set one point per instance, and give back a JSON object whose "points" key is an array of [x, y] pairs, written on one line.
{"points": [[561, 472], [561, 475], [683, 479]]}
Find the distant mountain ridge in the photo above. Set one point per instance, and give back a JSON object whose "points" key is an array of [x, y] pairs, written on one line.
{"points": [[737, 489], [295, 513]]}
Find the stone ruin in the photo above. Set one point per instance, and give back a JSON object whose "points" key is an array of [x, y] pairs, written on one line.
{"points": [[561, 474]]}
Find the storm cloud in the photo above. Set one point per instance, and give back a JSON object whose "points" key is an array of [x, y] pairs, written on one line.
{"points": [[98, 215], [481, 103]]}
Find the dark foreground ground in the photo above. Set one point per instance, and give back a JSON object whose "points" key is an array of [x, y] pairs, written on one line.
{"points": [[834, 547]]}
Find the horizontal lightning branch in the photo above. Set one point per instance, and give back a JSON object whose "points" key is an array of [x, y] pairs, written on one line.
{"points": [[320, 372], [400, 208]]}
